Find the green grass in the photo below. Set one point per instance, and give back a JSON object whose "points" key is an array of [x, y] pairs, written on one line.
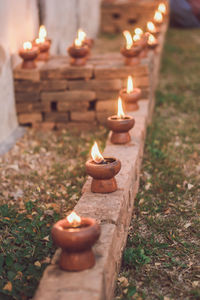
{"points": [[41, 178], [161, 259]]}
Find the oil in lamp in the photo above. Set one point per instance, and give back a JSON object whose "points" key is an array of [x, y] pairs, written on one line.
{"points": [[131, 51], [29, 54], [43, 44], [162, 8], [120, 126], [102, 170], [84, 39], [151, 28], [78, 52], [130, 96], [152, 42], [76, 236], [158, 18]]}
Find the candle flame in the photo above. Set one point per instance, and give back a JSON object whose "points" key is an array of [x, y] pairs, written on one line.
{"points": [[136, 37], [120, 112], [151, 39], [81, 35], [42, 32], [74, 219], [96, 155], [129, 85], [162, 8], [139, 31], [151, 27], [27, 45], [129, 40], [158, 17], [78, 43]]}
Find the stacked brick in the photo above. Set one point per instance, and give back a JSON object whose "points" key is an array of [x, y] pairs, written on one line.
{"points": [[119, 15], [56, 94]]}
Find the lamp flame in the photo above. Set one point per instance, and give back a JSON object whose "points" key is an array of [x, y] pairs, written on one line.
{"points": [[139, 31], [42, 32], [74, 219], [81, 35], [151, 39], [162, 8], [158, 17], [78, 43], [96, 155], [136, 37], [151, 27], [27, 46], [129, 85], [120, 112], [129, 40]]}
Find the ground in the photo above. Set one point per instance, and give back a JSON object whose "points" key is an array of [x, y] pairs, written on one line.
{"points": [[162, 256], [42, 176]]}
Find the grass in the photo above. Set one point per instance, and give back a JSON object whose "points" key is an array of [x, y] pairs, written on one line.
{"points": [[41, 180], [162, 255]]}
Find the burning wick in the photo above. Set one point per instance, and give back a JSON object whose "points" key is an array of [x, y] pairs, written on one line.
{"points": [[120, 113], [42, 35], [74, 220], [27, 46], [139, 31], [136, 37], [162, 8], [151, 27], [151, 40], [81, 35], [158, 17], [96, 155], [129, 85], [129, 40]]}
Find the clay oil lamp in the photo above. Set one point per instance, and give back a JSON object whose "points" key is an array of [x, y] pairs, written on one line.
{"points": [[141, 39], [151, 28], [152, 42], [76, 236], [130, 96], [162, 8], [158, 18], [43, 44], [29, 54], [102, 170], [82, 36], [78, 52], [131, 51], [120, 126]]}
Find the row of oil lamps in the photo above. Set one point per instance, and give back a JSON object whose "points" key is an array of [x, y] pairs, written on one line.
{"points": [[136, 46], [76, 235]]}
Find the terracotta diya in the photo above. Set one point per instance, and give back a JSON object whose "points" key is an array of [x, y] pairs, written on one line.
{"points": [[158, 18], [130, 96], [76, 236], [141, 38], [29, 54], [120, 126], [78, 53], [131, 51], [151, 28], [102, 170], [152, 42], [43, 44]]}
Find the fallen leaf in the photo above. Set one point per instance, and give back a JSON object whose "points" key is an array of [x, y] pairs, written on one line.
{"points": [[37, 264], [123, 281], [8, 286], [190, 186], [195, 284]]}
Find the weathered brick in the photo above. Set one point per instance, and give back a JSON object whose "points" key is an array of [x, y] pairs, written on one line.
{"points": [[69, 106], [96, 85], [29, 118], [107, 106], [105, 95], [80, 116], [27, 96], [36, 106], [54, 85], [119, 70], [56, 117], [26, 86], [26, 74], [76, 96], [44, 125]]}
